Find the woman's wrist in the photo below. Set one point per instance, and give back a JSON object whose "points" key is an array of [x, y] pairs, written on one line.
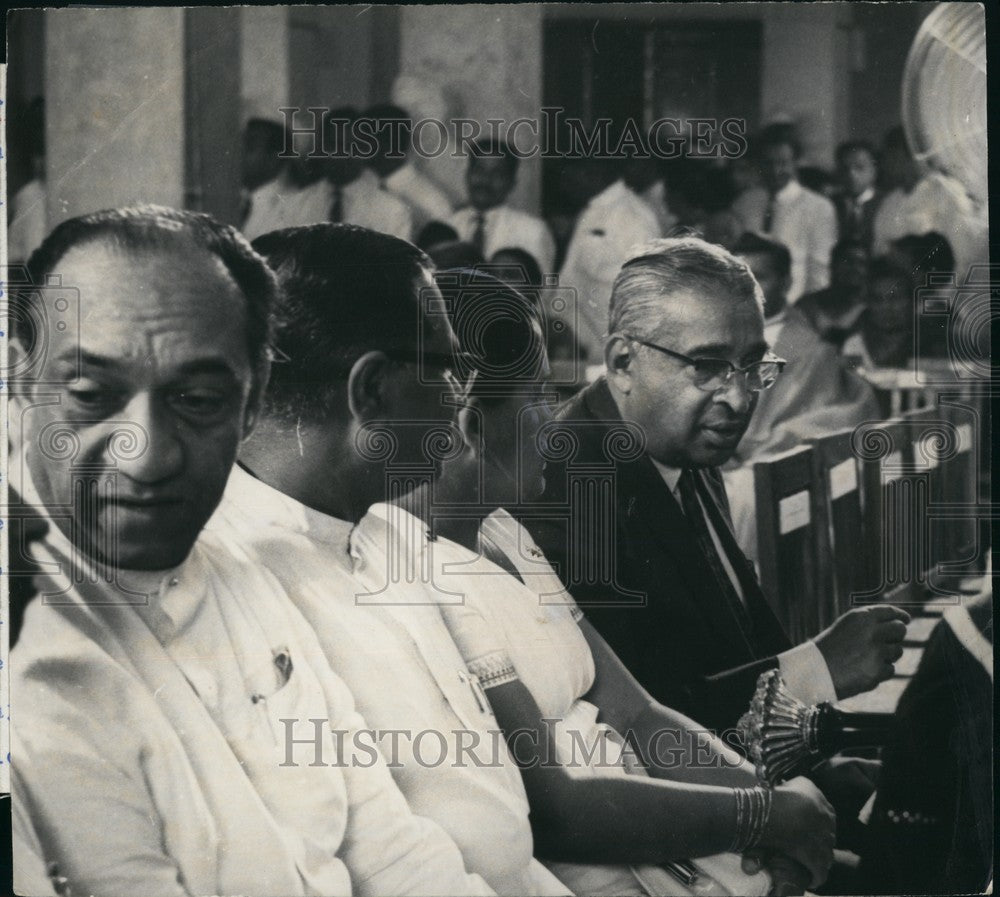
{"points": [[752, 815]]}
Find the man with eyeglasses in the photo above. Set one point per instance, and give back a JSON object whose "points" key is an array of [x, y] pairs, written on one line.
{"points": [[655, 565]]}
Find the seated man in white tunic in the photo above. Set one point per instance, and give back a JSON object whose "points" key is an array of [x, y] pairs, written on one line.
{"points": [[351, 397], [156, 667]]}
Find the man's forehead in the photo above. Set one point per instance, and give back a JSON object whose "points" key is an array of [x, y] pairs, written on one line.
{"points": [[138, 279], [693, 316], [133, 300]]}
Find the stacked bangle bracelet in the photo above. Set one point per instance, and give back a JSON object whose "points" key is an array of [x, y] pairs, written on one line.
{"points": [[753, 809]]}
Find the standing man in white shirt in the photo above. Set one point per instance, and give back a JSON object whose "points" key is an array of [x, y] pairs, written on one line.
{"points": [[488, 222], [783, 210], [270, 181], [614, 221], [364, 373], [350, 192], [395, 169], [154, 671]]}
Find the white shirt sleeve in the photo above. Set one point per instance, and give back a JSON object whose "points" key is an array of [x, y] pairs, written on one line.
{"points": [[806, 674]]}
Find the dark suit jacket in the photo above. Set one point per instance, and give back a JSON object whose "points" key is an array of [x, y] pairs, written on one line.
{"points": [[637, 572], [862, 230]]}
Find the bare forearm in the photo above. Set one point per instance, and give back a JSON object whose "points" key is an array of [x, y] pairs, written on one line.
{"points": [[675, 747], [632, 820]]}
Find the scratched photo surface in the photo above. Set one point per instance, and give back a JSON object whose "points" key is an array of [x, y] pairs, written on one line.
{"points": [[497, 449]]}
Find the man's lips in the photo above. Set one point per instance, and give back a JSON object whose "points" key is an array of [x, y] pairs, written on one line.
{"points": [[726, 431], [131, 503]]}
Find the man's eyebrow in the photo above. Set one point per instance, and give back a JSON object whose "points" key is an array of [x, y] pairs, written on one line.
{"points": [[75, 354], [187, 369], [206, 366]]}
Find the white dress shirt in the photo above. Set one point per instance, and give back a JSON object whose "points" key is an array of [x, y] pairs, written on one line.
{"points": [[803, 668], [426, 200], [803, 221], [507, 228], [363, 203], [395, 654], [273, 206], [152, 709], [613, 223]]}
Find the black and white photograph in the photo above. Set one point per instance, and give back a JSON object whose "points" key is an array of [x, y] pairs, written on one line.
{"points": [[496, 449]]}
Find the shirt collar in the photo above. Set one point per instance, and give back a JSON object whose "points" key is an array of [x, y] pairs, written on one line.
{"points": [[865, 196], [165, 599], [790, 191], [615, 191], [175, 596], [267, 506]]}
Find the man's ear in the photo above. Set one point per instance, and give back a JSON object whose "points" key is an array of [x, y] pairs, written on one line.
{"points": [[618, 359], [366, 387], [470, 423], [255, 401], [17, 358]]}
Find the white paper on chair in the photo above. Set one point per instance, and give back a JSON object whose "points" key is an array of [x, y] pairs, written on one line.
{"points": [[793, 512], [843, 478], [965, 438]]}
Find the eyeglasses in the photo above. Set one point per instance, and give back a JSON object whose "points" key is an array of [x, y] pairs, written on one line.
{"points": [[712, 374]]}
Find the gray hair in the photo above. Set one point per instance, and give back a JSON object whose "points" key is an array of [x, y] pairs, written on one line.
{"points": [[657, 270]]}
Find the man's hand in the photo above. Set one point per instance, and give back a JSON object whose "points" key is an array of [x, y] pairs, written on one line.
{"points": [[861, 647], [847, 782], [802, 827]]}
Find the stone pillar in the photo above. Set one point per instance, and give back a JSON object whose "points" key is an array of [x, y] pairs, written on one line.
{"points": [[488, 62], [114, 83], [264, 61], [805, 72]]}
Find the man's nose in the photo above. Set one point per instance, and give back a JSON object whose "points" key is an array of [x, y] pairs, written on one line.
{"points": [[148, 449], [735, 393]]}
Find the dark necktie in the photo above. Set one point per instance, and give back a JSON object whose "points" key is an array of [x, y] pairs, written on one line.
{"points": [[699, 525], [479, 234], [769, 214], [337, 204]]}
